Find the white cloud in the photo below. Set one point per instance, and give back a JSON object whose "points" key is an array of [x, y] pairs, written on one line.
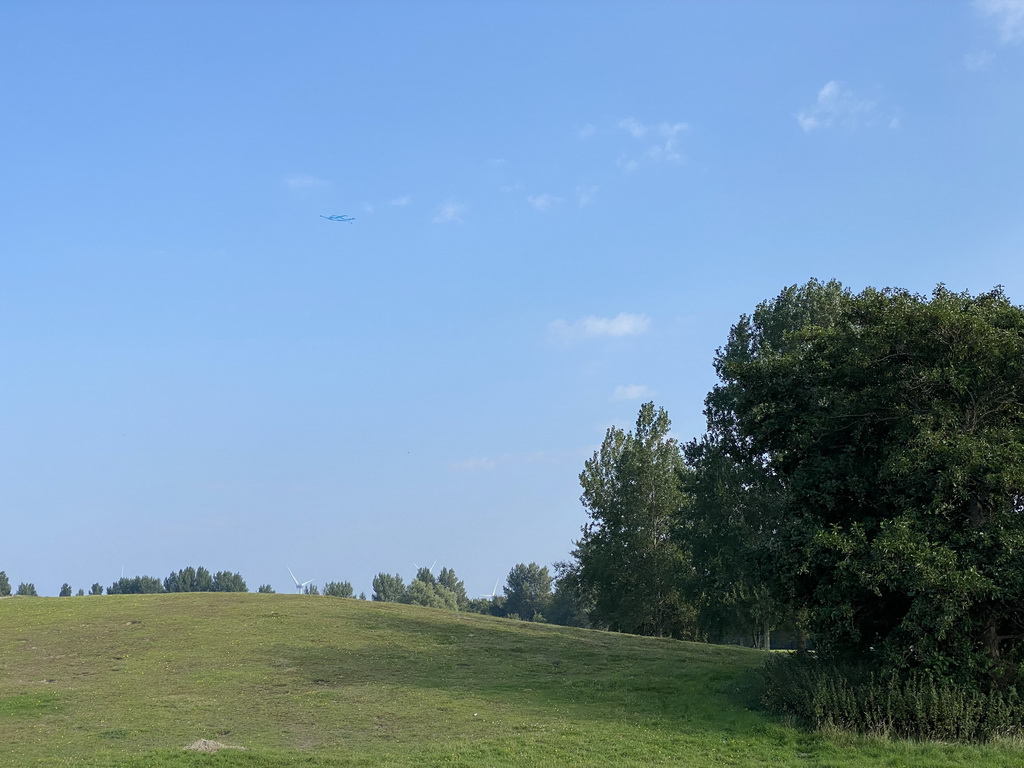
{"points": [[587, 131], [303, 180], [837, 107], [667, 149], [544, 202], [585, 195], [664, 149], [1008, 15], [623, 324], [400, 200], [449, 212], [635, 128], [631, 392]]}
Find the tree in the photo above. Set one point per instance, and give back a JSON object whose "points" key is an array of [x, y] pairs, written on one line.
{"points": [[5, 585], [528, 591], [80, 593], [96, 589], [339, 589], [266, 589], [181, 581], [731, 539], [203, 582], [388, 588], [137, 585], [225, 581], [894, 423], [449, 580], [27, 590], [65, 590], [630, 564], [426, 590], [311, 589], [567, 606]]}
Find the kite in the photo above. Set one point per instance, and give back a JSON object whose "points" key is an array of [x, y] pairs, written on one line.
{"points": [[338, 218]]}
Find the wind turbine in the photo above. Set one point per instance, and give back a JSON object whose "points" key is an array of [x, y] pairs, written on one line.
{"points": [[431, 568], [299, 587], [493, 591]]}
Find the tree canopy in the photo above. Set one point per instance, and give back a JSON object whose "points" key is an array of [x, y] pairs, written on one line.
{"points": [[630, 565], [893, 424]]}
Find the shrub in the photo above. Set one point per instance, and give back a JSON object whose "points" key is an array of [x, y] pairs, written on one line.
{"points": [[918, 705]]}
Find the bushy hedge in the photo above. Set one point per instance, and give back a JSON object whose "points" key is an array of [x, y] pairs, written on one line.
{"points": [[917, 706]]}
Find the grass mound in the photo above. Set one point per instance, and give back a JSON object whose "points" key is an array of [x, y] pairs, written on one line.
{"points": [[124, 681]]}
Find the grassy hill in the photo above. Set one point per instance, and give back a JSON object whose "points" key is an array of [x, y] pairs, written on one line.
{"points": [[315, 681]]}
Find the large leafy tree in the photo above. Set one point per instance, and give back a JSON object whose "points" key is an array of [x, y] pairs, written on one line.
{"points": [[895, 425], [5, 584], [631, 565], [730, 533], [528, 592]]}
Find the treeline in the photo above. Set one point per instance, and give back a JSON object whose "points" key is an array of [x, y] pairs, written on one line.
{"points": [[186, 580], [527, 594], [860, 487]]}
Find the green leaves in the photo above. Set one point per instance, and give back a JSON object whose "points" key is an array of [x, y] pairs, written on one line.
{"points": [[895, 424], [631, 567]]}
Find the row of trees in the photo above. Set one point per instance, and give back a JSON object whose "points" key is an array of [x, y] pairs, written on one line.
{"points": [[186, 580], [860, 485], [527, 593]]}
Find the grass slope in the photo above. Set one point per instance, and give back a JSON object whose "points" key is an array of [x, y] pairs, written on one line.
{"points": [[314, 681]]}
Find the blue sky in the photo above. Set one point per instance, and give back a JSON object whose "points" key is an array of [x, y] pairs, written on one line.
{"points": [[560, 210]]}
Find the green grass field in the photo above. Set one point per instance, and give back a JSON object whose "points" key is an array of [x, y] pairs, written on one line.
{"points": [[315, 681]]}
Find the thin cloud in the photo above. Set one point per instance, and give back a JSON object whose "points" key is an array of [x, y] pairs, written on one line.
{"points": [[623, 324], [585, 195], [665, 147], [628, 164], [544, 202], [450, 212], [587, 131], [401, 200], [634, 127], [303, 180], [631, 392], [1008, 16], [837, 107], [978, 62]]}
